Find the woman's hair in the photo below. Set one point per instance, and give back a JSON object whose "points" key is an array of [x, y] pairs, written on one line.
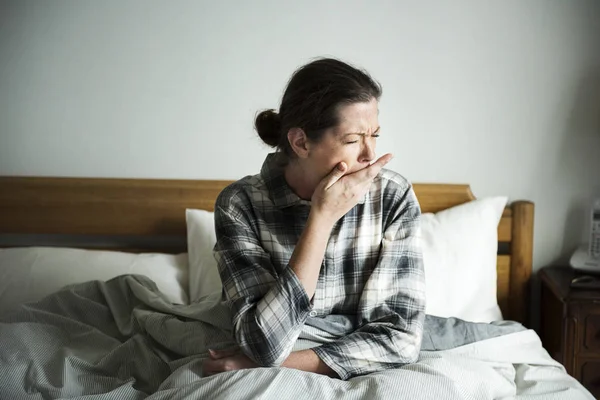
{"points": [[312, 99]]}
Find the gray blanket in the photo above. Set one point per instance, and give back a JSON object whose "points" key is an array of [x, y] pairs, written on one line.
{"points": [[122, 339]]}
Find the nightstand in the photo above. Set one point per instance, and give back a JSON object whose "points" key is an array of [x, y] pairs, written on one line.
{"points": [[570, 325]]}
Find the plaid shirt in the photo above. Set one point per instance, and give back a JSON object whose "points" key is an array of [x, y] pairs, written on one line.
{"points": [[372, 270]]}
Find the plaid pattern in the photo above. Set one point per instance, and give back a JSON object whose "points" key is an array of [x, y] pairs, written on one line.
{"points": [[372, 271]]}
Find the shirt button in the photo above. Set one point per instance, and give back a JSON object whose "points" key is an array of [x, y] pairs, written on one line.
{"points": [[313, 313]]}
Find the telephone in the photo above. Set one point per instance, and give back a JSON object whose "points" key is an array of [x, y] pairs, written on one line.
{"points": [[587, 258]]}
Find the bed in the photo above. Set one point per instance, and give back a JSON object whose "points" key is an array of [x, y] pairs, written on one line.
{"points": [[139, 216]]}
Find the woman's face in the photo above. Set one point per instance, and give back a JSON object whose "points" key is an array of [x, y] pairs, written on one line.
{"points": [[352, 141]]}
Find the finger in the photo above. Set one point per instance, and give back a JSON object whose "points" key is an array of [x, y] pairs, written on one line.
{"points": [[335, 174], [213, 354], [218, 354], [384, 159], [372, 170]]}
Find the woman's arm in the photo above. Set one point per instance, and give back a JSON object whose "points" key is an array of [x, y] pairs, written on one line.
{"points": [[307, 360], [231, 360], [308, 254], [391, 309], [269, 308], [335, 195]]}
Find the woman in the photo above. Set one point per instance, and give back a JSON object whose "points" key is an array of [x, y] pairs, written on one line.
{"points": [[323, 244]]}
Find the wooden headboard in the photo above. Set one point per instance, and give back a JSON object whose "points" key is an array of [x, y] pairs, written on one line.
{"points": [[156, 208]]}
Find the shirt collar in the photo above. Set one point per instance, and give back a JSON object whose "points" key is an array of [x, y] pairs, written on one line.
{"points": [[281, 193]]}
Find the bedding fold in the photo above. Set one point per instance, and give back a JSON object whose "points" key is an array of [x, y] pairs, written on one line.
{"points": [[124, 339]]}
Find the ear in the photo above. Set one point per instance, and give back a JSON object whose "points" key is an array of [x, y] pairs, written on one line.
{"points": [[299, 142]]}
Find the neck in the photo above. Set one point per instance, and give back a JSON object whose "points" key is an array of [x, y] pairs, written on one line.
{"points": [[297, 179]]}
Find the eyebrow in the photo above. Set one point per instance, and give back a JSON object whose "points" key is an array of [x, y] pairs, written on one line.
{"points": [[362, 133]]}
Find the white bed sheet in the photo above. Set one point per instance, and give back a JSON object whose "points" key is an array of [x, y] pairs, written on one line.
{"points": [[510, 366], [163, 346], [513, 366]]}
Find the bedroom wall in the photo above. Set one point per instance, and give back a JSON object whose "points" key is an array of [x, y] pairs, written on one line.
{"points": [[502, 95]]}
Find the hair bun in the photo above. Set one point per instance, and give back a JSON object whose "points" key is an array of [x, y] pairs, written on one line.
{"points": [[268, 126]]}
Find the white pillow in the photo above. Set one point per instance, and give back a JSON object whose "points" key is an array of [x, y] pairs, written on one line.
{"points": [[204, 272], [28, 274], [460, 246]]}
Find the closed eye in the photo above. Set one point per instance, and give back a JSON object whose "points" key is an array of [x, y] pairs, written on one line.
{"points": [[356, 141]]}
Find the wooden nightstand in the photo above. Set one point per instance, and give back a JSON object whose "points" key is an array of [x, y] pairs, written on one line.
{"points": [[570, 325]]}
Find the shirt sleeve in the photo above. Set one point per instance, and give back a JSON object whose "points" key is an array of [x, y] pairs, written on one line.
{"points": [[391, 309], [269, 308]]}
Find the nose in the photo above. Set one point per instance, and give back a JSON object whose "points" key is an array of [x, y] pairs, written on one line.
{"points": [[368, 151]]}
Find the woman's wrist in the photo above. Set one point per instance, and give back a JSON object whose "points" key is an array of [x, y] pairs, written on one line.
{"points": [[308, 360], [308, 254], [320, 221]]}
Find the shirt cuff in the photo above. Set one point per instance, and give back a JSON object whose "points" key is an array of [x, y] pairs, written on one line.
{"points": [[326, 357]]}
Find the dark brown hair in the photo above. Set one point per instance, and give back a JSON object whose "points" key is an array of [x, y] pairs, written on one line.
{"points": [[311, 101]]}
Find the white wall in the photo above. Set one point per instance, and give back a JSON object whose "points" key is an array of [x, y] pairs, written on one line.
{"points": [[504, 95]]}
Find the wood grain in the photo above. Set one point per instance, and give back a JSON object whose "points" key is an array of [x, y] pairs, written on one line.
{"points": [[436, 197], [570, 325], [521, 259], [141, 207], [503, 283]]}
